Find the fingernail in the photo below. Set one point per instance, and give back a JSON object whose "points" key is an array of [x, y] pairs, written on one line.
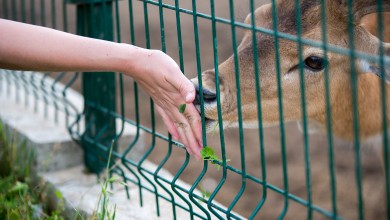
{"points": [[189, 97]]}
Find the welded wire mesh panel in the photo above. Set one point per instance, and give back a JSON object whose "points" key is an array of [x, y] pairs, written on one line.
{"points": [[260, 67]]}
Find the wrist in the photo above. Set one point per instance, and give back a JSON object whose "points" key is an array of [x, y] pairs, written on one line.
{"points": [[134, 63]]}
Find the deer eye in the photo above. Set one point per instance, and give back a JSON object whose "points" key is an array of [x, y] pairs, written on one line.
{"points": [[315, 63]]}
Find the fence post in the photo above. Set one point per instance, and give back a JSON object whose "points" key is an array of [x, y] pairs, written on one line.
{"points": [[95, 19]]}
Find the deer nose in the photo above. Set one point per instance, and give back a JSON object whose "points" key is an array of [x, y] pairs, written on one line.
{"points": [[208, 96]]}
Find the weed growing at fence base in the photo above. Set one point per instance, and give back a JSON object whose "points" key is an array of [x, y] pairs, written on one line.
{"points": [[17, 199], [103, 210]]}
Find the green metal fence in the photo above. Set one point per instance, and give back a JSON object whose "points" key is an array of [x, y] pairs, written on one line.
{"points": [[106, 114]]}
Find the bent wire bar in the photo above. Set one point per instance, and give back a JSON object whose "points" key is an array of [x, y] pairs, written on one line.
{"points": [[105, 114]]}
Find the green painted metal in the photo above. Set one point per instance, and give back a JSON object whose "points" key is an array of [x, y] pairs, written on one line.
{"points": [[96, 18], [352, 57], [240, 125], [280, 102], [199, 71], [384, 107], [259, 113], [328, 114], [304, 112]]}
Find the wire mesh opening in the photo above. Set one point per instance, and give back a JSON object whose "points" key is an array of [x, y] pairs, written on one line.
{"points": [[269, 65]]}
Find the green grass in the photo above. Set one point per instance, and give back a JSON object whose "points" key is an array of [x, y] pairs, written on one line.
{"points": [[17, 199], [103, 210]]}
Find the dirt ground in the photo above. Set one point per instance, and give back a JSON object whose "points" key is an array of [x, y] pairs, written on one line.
{"points": [[347, 205]]}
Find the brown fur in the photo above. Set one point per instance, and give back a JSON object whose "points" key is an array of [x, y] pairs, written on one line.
{"points": [[368, 85]]}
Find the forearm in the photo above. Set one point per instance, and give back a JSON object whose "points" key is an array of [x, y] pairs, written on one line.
{"points": [[29, 47]]}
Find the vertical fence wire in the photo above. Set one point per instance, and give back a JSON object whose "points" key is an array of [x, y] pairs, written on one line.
{"points": [[41, 91], [352, 58], [280, 102], [200, 85], [53, 13], [120, 77], [5, 7], [169, 152], [43, 12], [13, 9], [239, 111], [64, 15], [23, 7], [219, 109], [124, 160], [332, 173], [186, 161], [259, 112], [385, 150], [32, 11], [303, 108], [153, 122]]}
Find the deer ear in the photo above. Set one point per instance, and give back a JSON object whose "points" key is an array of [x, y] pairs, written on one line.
{"points": [[361, 8], [375, 67], [262, 15]]}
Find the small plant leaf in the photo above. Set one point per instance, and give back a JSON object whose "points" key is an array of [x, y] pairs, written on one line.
{"points": [[207, 153], [113, 216], [206, 194], [123, 184], [59, 195], [18, 187], [182, 108], [112, 179]]}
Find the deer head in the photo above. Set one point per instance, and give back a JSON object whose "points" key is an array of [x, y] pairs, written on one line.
{"points": [[314, 63]]}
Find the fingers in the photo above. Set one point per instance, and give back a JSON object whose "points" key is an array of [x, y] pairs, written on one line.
{"points": [[187, 137], [181, 126], [193, 117], [168, 123], [183, 138], [189, 124]]}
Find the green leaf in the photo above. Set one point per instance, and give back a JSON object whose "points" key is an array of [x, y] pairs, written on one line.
{"points": [[113, 216], [206, 194], [182, 108], [112, 179], [18, 187], [207, 153], [123, 184], [59, 195]]}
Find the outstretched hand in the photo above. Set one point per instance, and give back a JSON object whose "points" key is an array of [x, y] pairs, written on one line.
{"points": [[153, 69], [169, 88]]}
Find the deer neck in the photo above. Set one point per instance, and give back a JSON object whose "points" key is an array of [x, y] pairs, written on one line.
{"points": [[370, 114]]}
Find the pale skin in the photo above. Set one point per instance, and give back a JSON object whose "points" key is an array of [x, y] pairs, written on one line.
{"points": [[35, 48]]}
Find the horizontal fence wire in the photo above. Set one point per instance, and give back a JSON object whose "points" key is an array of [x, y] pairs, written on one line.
{"points": [[49, 94]]}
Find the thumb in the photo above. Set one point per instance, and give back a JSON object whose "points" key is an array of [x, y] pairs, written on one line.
{"points": [[188, 91]]}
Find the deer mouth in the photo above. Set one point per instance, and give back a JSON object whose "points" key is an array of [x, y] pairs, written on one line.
{"points": [[209, 123]]}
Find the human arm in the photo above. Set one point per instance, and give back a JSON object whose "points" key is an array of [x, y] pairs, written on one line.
{"points": [[29, 47]]}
